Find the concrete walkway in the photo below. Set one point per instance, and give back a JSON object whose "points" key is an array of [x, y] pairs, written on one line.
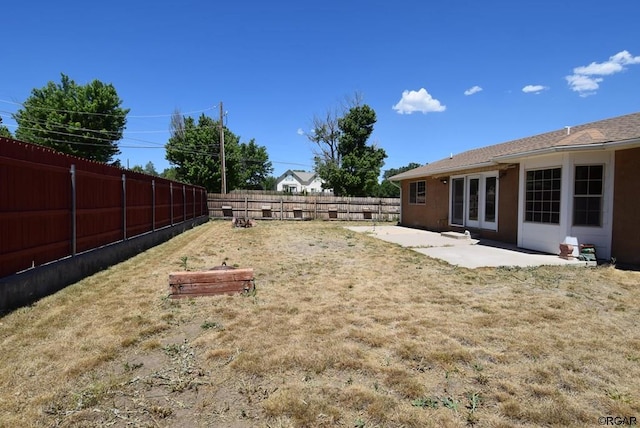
{"points": [[465, 252]]}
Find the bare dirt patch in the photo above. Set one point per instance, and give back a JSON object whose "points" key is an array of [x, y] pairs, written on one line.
{"points": [[344, 330]]}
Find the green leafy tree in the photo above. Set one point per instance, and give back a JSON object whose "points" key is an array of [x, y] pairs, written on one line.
{"points": [[4, 131], [354, 168], [170, 173], [80, 120], [194, 150], [149, 168], [389, 190], [256, 166], [270, 183]]}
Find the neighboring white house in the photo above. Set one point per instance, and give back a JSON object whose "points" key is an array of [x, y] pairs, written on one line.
{"points": [[299, 182]]}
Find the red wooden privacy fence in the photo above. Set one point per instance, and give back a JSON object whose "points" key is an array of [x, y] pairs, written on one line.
{"points": [[53, 205]]}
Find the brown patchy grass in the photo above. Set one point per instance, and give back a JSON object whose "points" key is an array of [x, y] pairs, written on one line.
{"points": [[344, 330]]}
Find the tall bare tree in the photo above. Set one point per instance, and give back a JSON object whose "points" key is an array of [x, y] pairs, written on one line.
{"points": [[325, 134], [342, 157]]}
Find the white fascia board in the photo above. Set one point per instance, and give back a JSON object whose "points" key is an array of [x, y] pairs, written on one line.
{"points": [[443, 171], [495, 161], [572, 148], [548, 150]]}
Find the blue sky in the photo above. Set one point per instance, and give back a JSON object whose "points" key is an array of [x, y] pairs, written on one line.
{"points": [[442, 76]]}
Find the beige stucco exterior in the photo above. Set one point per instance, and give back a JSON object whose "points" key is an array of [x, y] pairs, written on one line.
{"points": [[625, 245]]}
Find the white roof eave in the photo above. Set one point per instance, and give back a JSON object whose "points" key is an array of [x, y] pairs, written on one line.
{"points": [[571, 148], [409, 174], [497, 160]]}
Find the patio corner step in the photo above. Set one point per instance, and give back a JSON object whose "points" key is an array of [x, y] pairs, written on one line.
{"points": [[456, 235]]}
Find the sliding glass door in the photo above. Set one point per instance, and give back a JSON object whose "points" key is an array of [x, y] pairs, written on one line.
{"points": [[474, 201]]}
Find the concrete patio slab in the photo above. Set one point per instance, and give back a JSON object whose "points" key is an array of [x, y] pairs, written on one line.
{"points": [[469, 253]]}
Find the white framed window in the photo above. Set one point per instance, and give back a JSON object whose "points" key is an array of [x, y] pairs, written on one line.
{"points": [[418, 192], [587, 195], [542, 195]]}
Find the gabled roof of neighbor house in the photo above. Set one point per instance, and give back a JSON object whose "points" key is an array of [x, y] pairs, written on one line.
{"points": [[303, 177], [618, 131]]}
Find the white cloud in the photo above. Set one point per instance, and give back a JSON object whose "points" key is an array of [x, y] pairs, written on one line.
{"points": [[625, 58], [421, 100], [473, 90], [300, 131], [585, 85], [602, 69], [582, 80], [536, 89]]}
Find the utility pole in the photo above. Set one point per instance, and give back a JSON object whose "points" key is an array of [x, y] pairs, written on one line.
{"points": [[223, 169]]}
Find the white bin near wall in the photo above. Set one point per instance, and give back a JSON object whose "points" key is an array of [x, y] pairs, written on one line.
{"points": [[572, 240]]}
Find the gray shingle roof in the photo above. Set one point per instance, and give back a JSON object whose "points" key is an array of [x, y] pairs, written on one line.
{"points": [[615, 130], [304, 177]]}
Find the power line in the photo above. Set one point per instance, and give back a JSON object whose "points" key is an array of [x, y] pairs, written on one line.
{"points": [[108, 114], [152, 144], [75, 128], [205, 150]]}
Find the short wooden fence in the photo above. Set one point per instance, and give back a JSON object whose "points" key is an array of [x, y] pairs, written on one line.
{"points": [[302, 207]]}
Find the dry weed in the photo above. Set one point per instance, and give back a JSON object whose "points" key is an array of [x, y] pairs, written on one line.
{"points": [[344, 330]]}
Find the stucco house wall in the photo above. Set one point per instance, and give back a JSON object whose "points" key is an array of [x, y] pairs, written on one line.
{"points": [[508, 206], [547, 237], [626, 216]]}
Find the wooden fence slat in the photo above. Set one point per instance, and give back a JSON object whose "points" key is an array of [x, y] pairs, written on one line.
{"points": [[295, 207], [37, 185]]}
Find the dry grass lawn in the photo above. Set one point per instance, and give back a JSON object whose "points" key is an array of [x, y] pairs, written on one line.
{"points": [[344, 330]]}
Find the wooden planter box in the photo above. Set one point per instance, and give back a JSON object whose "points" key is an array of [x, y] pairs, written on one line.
{"points": [[211, 282]]}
